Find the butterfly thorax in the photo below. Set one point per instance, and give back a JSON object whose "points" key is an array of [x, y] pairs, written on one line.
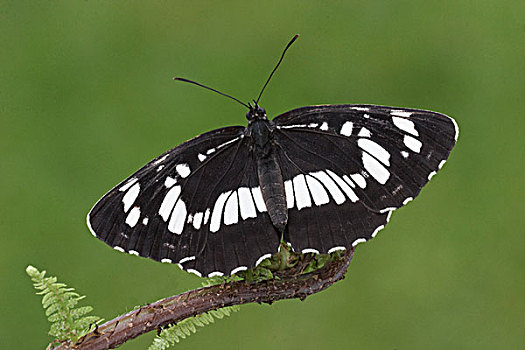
{"points": [[260, 132]]}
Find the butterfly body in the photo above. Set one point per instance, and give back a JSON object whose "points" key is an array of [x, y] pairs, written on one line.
{"points": [[260, 134]]}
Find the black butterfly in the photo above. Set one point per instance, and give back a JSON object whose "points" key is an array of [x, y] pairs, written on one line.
{"points": [[320, 178]]}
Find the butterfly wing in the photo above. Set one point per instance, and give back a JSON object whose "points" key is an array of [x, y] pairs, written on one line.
{"points": [[198, 205], [347, 167]]}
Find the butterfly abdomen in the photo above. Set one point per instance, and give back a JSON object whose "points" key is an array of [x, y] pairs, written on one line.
{"points": [[269, 173], [272, 188]]}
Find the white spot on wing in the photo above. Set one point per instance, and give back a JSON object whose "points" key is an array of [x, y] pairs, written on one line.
{"points": [[210, 151], [364, 109], [288, 190], [409, 199], [130, 196], [161, 159], [324, 126], [120, 249], [133, 217], [344, 186], [334, 249], [346, 129], [375, 150], [186, 259], [359, 180], [195, 272], [160, 168], [317, 191], [201, 157], [183, 170], [441, 164], [178, 218], [89, 226], [357, 241], [169, 182], [258, 198], [400, 113], [246, 203], [206, 216], [389, 215], [376, 169], [377, 230], [327, 181], [145, 221], [231, 210], [217, 211], [292, 126], [348, 181], [215, 273], [412, 143], [262, 258], [406, 125], [456, 128], [431, 175], [133, 252], [169, 201], [197, 220], [313, 125], [238, 269], [227, 142], [302, 196], [404, 154], [128, 184], [386, 210], [309, 250], [364, 132], [166, 261]]}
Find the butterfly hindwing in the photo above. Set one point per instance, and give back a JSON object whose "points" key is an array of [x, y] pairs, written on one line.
{"points": [[185, 207], [348, 166]]}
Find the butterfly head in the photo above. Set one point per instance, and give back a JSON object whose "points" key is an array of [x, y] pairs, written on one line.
{"points": [[256, 113]]}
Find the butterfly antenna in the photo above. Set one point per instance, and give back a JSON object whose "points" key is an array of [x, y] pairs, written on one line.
{"points": [[209, 88], [277, 66]]}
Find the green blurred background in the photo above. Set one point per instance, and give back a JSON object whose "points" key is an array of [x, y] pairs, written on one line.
{"points": [[86, 97]]}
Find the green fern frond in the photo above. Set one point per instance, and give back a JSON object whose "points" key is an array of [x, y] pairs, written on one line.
{"points": [[59, 301], [174, 333]]}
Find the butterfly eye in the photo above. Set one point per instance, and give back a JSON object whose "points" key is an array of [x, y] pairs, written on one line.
{"points": [[261, 111]]}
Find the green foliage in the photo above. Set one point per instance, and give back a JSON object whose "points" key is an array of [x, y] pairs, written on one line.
{"points": [[262, 272], [285, 259], [319, 260], [174, 333], [212, 281], [68, 322]]}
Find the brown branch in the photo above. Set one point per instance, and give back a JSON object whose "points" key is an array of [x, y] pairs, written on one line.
{"points": [[194, 302]]}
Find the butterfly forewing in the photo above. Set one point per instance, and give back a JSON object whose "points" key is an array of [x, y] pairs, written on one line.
{"points": [[346, 167], [197, 205]]}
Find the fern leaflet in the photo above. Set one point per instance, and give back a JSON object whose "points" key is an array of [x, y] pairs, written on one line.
{"points": [[68, 322]]}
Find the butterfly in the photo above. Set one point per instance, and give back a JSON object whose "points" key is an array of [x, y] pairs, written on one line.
{"points": [[319, 178]]}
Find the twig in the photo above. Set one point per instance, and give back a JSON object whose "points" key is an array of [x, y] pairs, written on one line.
{"points": [[194, 302]]}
